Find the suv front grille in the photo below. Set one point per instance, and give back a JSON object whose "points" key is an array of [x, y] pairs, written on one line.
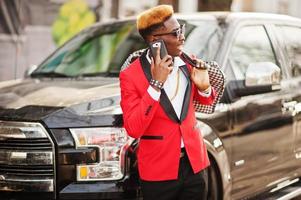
{"points": [[26, 158], [26, 144]]}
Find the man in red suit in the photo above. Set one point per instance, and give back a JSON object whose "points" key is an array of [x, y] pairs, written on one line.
{"points": [[157, 97]]}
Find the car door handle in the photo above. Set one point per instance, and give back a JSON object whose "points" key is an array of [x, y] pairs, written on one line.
{"points": [[288, 106]]}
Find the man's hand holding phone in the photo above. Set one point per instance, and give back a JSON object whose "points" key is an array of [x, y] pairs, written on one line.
{"points": [[160, 67]]}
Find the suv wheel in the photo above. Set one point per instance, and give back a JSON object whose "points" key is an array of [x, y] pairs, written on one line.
{"points": [[214, 183]]}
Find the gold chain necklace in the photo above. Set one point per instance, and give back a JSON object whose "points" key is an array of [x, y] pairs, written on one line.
{"points": [[177, 87]]}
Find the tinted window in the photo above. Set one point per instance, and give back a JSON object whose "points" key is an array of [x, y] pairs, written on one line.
{"points": [[292, 38], [98, 51], [251, 45], [203, 39], [101, 50]]}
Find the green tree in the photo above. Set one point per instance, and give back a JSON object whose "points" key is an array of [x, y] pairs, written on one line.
{"points": [[73, 17]]}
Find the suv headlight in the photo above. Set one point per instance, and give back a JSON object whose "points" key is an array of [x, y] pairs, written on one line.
{"points": [[112, 144]]}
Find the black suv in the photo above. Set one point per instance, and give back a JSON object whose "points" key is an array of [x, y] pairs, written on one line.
{"points": [[61, 134]]}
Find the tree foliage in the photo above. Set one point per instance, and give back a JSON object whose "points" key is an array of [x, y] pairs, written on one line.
{"points": [[73, 17]]}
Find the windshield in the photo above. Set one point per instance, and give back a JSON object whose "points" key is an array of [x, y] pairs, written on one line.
{"points": [[101, 50]]}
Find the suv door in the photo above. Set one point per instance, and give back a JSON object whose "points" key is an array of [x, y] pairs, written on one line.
{"points": [[260, 137], [290, 40]]}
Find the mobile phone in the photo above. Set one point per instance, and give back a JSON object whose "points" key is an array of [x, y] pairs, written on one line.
{"points": [[154, 46]]}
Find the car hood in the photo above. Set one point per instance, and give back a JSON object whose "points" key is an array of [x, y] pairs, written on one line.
{"points": [[62, 102], [55, 92]]}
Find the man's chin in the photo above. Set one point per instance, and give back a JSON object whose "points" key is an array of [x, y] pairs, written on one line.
{"points": [[180, 49], [179, 52]]}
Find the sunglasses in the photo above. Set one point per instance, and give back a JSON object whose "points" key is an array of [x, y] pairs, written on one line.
{"points": [[175, 33]]}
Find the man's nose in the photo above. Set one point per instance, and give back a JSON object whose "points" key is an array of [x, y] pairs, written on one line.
{"points": [[182, 37]]}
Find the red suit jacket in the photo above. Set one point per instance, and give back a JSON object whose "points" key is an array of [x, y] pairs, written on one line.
{"points": [[157, 125]]}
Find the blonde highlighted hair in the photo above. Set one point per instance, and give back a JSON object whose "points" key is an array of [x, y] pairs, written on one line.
{"points": [[153, 18]]}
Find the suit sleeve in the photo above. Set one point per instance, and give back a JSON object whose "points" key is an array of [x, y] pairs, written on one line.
{"points": [[204, 100], [138, 111]]}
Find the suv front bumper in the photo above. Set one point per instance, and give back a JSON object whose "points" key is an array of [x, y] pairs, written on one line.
{"points": [[95, 190], [86, 191]]}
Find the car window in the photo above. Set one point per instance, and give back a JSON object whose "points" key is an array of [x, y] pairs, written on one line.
{"points": [[203, 39], [292, 39], [251, 45], [100, 51]]}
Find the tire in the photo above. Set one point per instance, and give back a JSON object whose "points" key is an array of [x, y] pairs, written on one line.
{"points": [[214, 182]]}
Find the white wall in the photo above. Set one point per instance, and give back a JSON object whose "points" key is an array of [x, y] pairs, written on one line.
{"points": [[295, 8], [288, 7], [134, 7], [188, 6], [266, 6], [33, 47]]}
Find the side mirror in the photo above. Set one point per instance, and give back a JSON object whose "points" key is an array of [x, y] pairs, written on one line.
{"points": [[261, 77], [30, 70], [262, 74]]}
